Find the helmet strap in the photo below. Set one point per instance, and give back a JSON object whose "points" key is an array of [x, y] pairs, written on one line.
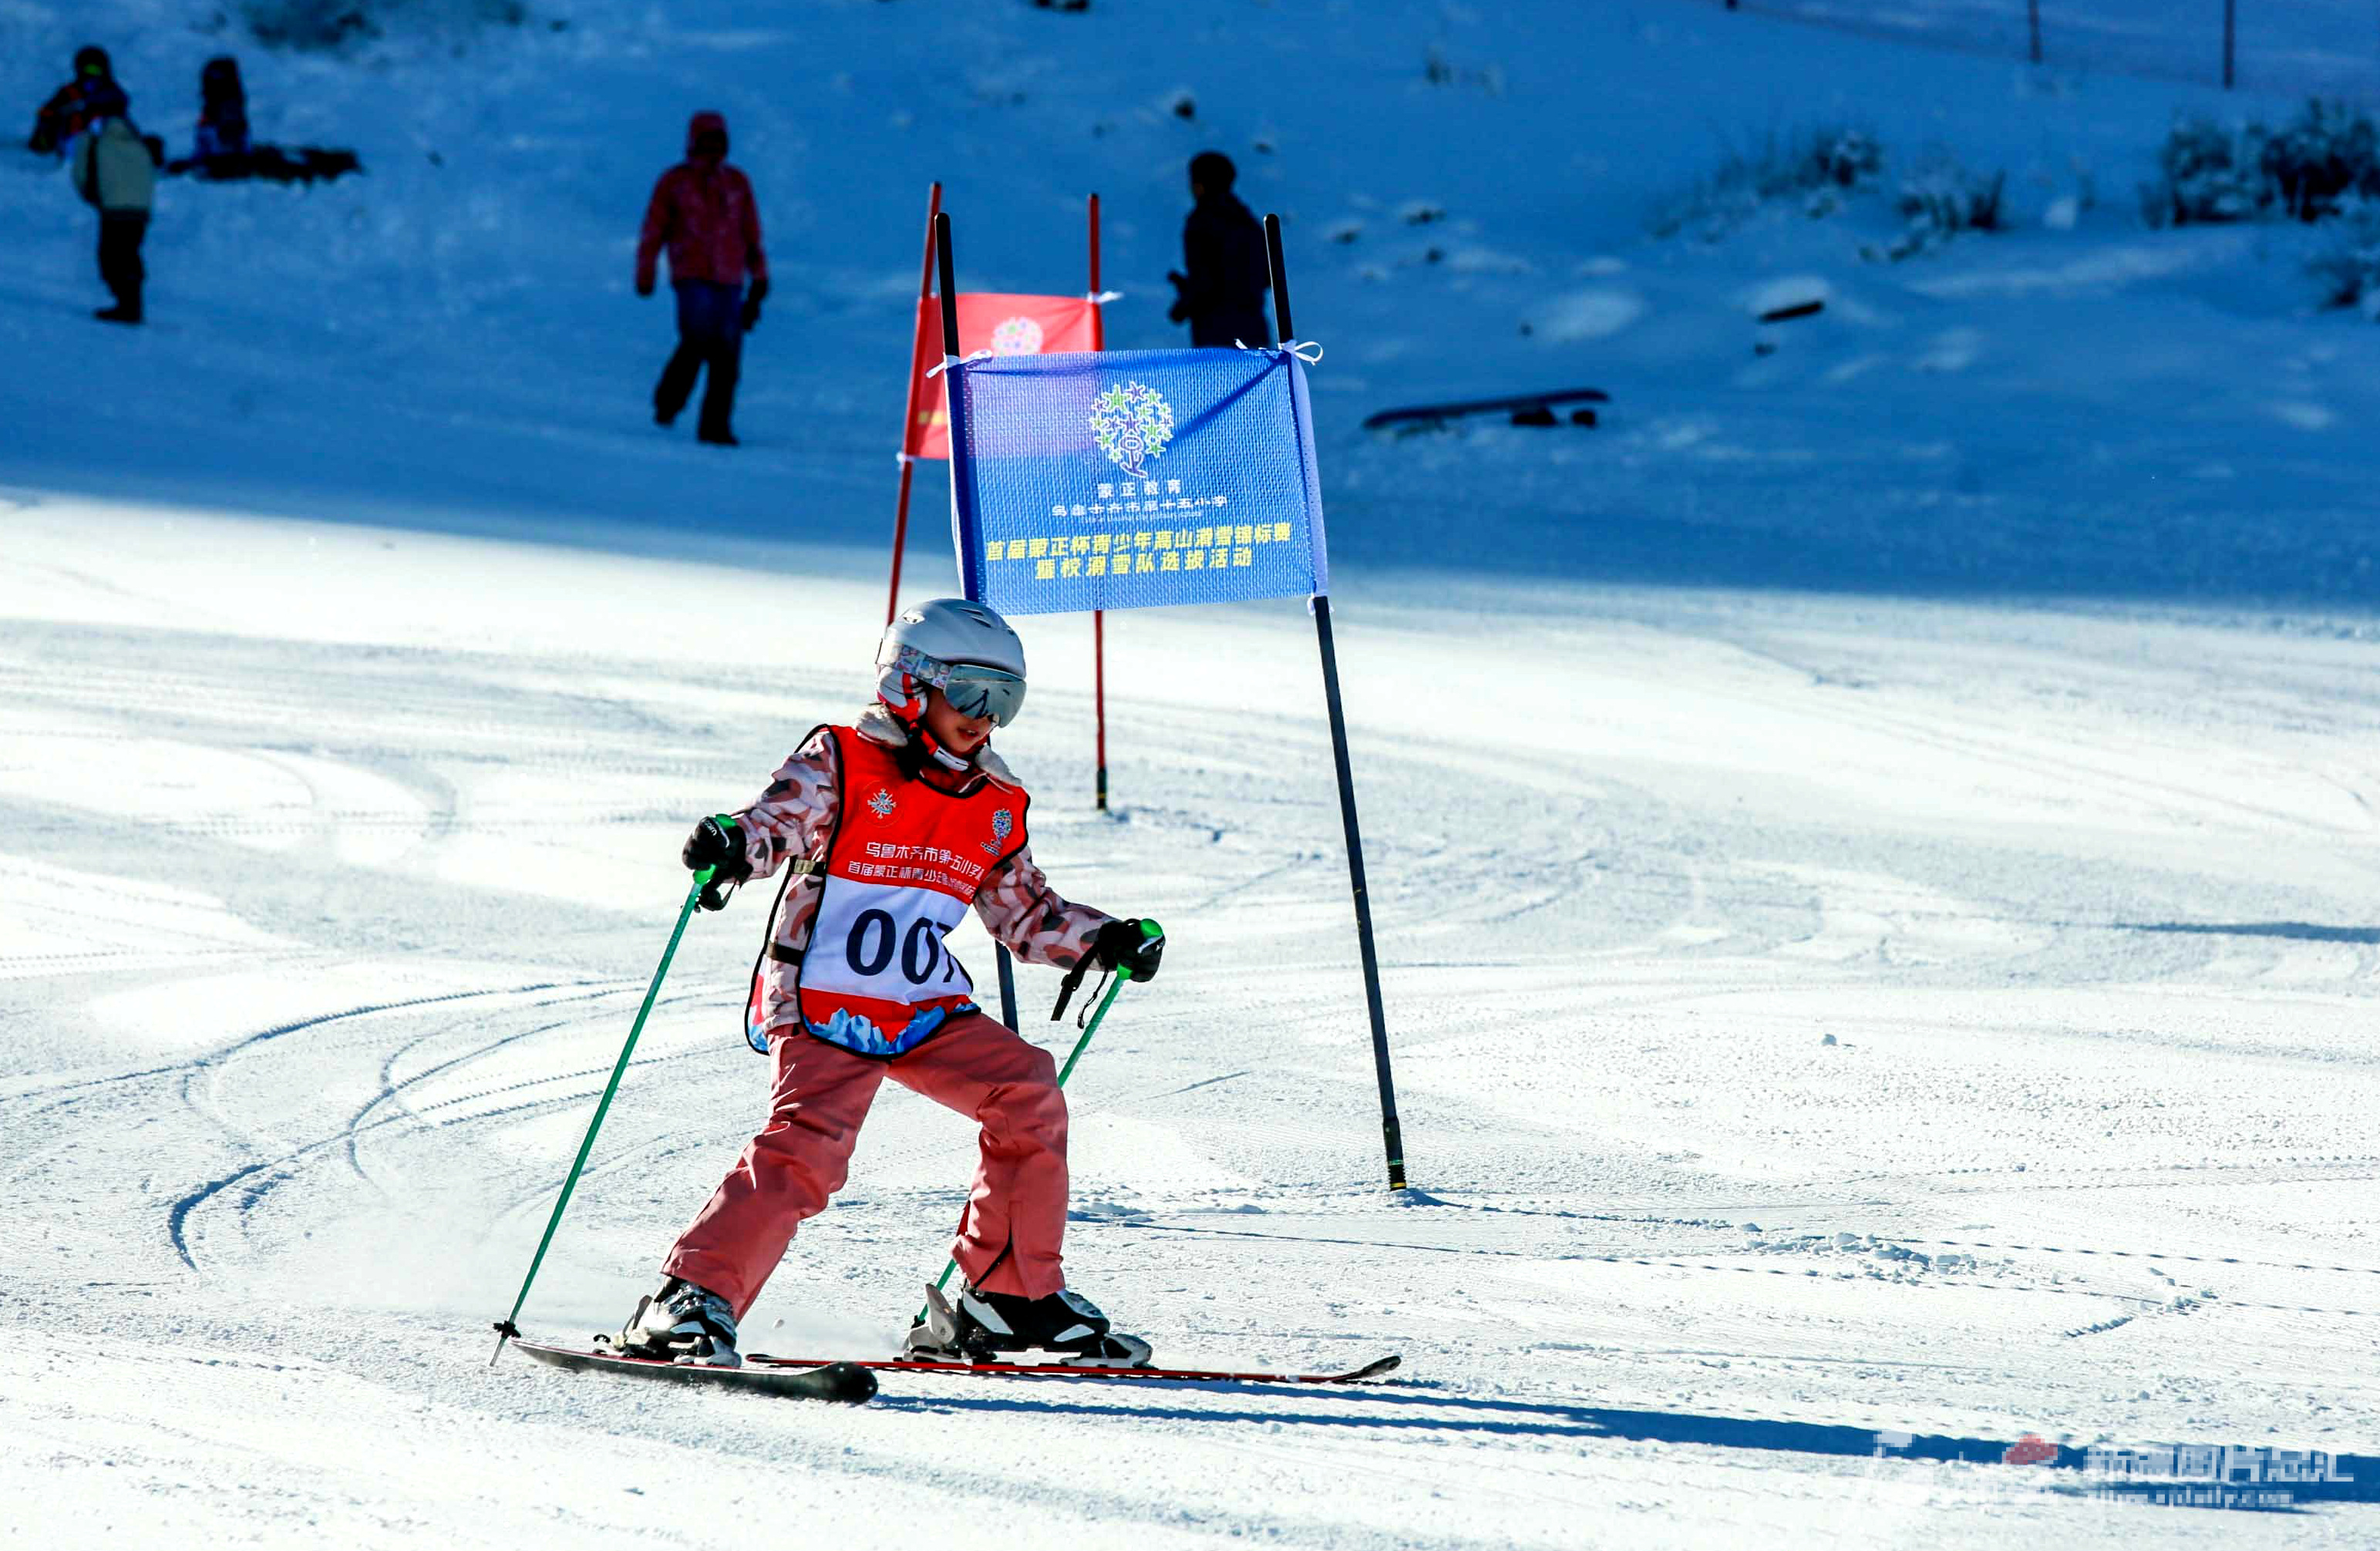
{"points": [[930, 748]]}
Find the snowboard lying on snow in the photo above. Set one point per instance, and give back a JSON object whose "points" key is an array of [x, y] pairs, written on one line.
{"points": [[1525, 409]]}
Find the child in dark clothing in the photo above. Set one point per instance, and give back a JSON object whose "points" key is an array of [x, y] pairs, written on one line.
{"points": [[222, 147], [80, 103]]}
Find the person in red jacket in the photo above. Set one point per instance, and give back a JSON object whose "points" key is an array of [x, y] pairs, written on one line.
{"points": [[702, 211]]}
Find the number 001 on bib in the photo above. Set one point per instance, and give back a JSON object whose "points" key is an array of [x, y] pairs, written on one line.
{"points": [[902, 867]]}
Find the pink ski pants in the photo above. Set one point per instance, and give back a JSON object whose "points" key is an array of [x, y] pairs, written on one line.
{"points": [[1015, 1224]]}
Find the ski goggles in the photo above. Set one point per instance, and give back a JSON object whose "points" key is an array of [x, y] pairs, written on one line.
{"points": [[973, 690]]}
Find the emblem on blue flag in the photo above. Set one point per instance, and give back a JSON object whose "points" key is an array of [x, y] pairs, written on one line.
{"points": [[1132, 424]]}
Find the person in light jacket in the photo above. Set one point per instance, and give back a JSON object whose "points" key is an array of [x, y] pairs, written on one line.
{"points": [[115, 171]]}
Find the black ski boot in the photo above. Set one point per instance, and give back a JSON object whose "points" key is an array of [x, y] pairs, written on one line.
{"points": [[681, 1323], [988, 1326]]}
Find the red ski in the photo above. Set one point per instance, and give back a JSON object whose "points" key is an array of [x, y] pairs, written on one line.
{"points": [[1062, 1370]]}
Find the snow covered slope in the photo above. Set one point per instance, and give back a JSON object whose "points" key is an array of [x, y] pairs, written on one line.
{"points": [[1874, 846]]}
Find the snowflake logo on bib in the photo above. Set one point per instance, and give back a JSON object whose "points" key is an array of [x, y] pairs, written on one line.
{"points": [[1132, 423], [881, 805], [1016, 336], [1003, 824]]}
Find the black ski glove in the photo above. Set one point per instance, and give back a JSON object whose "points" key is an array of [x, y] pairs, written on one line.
{"points": [[752, 300], [717, 843], [1123, 945]]}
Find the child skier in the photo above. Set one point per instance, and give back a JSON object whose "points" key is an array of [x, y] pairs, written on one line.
{"points": [[889, 828]]}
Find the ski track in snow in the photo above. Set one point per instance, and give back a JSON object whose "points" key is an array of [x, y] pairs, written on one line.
{"points": [[1610, 956]]}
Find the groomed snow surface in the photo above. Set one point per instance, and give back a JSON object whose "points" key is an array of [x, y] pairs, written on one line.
{"points": [[1873, 847]]}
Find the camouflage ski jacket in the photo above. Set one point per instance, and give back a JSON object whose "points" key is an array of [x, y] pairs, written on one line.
{"points": [[794, 820]]}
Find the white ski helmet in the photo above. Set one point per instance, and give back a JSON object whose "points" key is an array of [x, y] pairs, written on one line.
{"points": [[962, 648]]}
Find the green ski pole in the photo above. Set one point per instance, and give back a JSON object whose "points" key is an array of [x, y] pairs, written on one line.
{"points": [[506, 1328], [1148, 929]]}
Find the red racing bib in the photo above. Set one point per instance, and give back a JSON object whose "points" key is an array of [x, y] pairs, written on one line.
{"points": [[903, 864]]}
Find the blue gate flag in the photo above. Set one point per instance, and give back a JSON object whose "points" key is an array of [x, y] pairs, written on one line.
{"points": [[1131, 478]]}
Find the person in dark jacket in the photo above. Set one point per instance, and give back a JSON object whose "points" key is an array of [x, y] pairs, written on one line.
{"points": [[80, 103], [222, 151], [703, 213], [1223, 297], [221, 147]]}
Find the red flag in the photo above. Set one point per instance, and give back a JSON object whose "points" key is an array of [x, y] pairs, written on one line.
{"points": [[1006, 325]]}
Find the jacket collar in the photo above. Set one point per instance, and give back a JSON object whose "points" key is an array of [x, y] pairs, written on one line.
{"points": [[878, 726]]}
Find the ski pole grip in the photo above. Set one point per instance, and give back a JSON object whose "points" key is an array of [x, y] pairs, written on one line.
{"points": [[1149, 928], [706, 880]]}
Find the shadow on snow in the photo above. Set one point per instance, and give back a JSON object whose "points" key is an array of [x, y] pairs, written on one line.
{"points": [[2235, 1476]]}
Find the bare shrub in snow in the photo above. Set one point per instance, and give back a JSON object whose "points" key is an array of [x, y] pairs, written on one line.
{"points": [[1816, 165], [335, 24], [2330, 154], [1942, 198], [2206, 173], [1845, 156], [2307, 169], [2349, 267]]}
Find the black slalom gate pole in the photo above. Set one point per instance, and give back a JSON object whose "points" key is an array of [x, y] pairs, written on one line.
{"points": [[1389, 1131], [950, 396]]}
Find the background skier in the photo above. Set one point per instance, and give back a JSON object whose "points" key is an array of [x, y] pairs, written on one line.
{"points": [[893, 826], [1222, 294], [703, 212]]}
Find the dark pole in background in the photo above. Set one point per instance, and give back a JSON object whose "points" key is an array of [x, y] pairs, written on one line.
{"points": [[951, 397], [2032, 15], [1099, 617], [1389, 1132], [2231, 18]]}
